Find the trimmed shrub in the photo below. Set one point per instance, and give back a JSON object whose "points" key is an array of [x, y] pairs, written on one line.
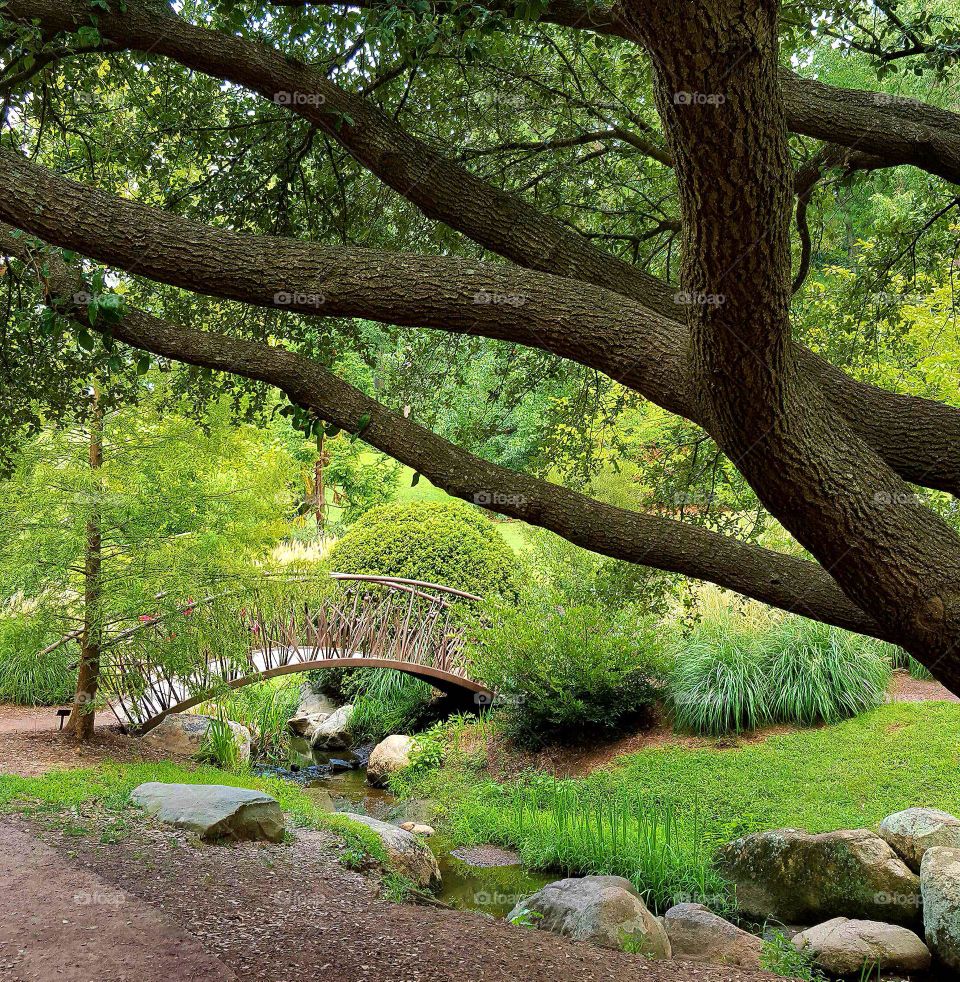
{"points": [[439, 542], [565, 672], [729, 675]]}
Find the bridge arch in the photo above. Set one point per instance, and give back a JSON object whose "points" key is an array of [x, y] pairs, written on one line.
{"points": [[375, 622]]}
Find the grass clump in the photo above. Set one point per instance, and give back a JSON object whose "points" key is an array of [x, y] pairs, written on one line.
{"points": [[780, 956], [26, 677], [730, 675], [385, 702]]}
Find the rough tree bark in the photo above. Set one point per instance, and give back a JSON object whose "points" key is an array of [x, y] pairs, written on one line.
{"points": [[82, 719], [728, 134]]}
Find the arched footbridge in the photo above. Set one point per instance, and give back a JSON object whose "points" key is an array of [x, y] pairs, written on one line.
{"points": [[368, 622]]}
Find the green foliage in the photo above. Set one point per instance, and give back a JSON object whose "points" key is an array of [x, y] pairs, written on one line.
{"points": [[385, 702], [560, 568], [220, 746], [563, 826], [26, 677], [265, 708], [731, 675], [397, 888], [780, 956], [447, 543], [562, 672]]}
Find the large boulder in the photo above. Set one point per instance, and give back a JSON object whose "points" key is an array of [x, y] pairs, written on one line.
{"points": [[843, 946], [388, 757], [604, 910], [698, 935], [185, 734], [405, 852], [940, 887], [333, 733], [214, 812], [912, 832], [800, 878]]}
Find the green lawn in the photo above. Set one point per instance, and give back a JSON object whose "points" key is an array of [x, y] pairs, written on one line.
{"points": [[108, 786], [850, 775]]}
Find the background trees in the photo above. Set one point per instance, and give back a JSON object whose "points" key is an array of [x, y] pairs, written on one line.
{"points": [[132, 513]]}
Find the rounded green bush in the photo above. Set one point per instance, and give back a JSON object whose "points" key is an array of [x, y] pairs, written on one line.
{"points": [[564, 672], [438, 542]]}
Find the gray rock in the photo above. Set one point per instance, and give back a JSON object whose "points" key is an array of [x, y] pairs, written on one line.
{"points": [[314, 703], [796, 877], [333, 733], [698, 935], [843, 946], [305, 724], [388, 757], [604, 910], [940, 887], [184, 735], [215, 812], [912, 832], [405, 852]]}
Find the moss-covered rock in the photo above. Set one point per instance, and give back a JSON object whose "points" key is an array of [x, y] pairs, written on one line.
{"points": [[802, 878]]}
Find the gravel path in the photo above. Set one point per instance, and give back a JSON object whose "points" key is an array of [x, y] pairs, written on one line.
{"points": [[261, 913]]}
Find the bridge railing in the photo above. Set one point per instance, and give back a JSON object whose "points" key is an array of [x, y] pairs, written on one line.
{"points": [[178, 660]]}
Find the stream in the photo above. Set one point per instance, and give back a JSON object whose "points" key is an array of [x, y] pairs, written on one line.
{"points": [[485, 878]]}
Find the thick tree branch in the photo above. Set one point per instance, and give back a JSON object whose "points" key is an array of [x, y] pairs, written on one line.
{"points": [[574, 320], [919, 438], [662, 543]]}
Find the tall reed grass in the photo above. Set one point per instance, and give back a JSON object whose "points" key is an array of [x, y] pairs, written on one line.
{"points": [[560, 825]]}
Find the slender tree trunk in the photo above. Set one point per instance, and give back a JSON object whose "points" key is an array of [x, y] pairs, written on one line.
{"points": [[83, 716]]}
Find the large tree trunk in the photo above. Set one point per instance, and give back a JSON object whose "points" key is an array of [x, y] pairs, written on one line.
{"points": [[83, 716], [890, 554]]}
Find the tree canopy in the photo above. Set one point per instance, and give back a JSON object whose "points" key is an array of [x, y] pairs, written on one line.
{"points": [[708, 249]]}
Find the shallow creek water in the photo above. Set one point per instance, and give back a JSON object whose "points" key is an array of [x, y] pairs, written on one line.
{"points": [[469, 882]]}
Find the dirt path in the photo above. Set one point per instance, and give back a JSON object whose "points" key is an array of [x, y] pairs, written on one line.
{"points": [[27, 719], [263, 914], [69, 924]]}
